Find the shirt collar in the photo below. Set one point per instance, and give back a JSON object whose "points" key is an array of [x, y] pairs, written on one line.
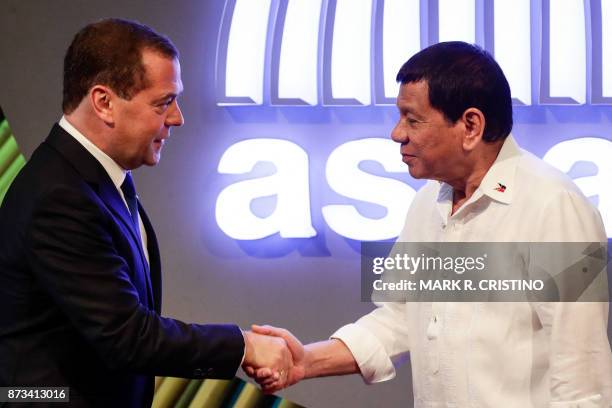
{"points": [[115, 171], [498, 182]]}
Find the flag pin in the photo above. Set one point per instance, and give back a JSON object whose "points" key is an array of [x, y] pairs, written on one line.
{"points": [[501, 188]]}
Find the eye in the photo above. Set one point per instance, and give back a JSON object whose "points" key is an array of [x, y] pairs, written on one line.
{"points": [[163, 105]]}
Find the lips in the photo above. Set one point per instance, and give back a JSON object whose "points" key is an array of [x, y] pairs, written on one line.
{"points": [[162, 139], [407, 158]]}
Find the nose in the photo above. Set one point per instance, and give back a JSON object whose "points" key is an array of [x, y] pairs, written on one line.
{"points": [[175, 116], [399, 133]]}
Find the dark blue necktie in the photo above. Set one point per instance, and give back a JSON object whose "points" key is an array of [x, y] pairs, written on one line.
{"points": [[129, 192]]}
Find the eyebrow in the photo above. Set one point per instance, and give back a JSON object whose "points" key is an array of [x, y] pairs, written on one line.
{"points": [[409, 111], [406, 109], [169, 95]]}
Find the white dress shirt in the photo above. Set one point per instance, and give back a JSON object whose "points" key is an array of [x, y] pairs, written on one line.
{"points": [[495, 354], [115, 171]]}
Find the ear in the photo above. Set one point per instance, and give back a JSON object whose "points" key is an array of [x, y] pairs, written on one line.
{"points": [[102, 101], [474, 124]]}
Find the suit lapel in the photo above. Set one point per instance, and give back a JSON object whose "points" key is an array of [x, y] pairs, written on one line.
{"points": [[93, 172], [154, 259], [112, 199]]}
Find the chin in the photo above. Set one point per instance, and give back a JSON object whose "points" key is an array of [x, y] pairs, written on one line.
{"points": [[415, 174], [153, 158]]}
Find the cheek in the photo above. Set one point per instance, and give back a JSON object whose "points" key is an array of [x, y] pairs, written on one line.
{"points": [[157, 124], [151, 130], [422, 146]]}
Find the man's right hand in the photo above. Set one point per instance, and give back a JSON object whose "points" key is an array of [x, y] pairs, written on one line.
{"points": [[265, 377], [269, 353], [321, 359]]}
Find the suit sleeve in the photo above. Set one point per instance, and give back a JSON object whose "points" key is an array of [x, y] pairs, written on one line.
{"points": [[72, 254]]}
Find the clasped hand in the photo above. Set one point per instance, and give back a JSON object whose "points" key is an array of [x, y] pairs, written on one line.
{"points": [[274, 358]]}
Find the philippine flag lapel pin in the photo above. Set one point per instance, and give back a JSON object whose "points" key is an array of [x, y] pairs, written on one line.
{"points": [[500, 187]]}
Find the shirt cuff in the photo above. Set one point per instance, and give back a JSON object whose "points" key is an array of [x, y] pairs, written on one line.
{"points": [[243, 351], [369, 353]]}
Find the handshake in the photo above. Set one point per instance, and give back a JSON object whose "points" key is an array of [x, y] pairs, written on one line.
{"points": [[274, 358]]}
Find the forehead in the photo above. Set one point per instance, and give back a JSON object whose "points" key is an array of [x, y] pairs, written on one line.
{"points": [[414, 94], [162, 72]]}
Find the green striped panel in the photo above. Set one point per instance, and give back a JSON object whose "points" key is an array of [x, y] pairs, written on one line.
{"points": [[181, 393], [188, 394], [11, 160]]}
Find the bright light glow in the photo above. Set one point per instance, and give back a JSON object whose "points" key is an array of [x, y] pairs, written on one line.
{"points": [[401, 39], [590, 149], [606, 47], [246, 48], [297, 71], [345, 177], [512, 28], [350, 65], [567, 50], [457, 20], [291, 217]]}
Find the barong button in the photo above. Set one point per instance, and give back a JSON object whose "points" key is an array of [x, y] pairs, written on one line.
{"points": [[432, 328]]}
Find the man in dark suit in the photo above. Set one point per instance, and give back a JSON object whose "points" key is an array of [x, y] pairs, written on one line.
{"points": [[80, 272]]}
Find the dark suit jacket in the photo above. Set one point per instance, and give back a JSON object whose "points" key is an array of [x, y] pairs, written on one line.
{"points": [[79, 306]]}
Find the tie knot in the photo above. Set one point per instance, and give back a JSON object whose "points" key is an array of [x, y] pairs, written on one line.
{"points": [[128, 188]]}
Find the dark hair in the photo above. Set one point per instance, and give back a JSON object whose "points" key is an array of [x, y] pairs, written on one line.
{"points": [[109, 52], [461, 76]]}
